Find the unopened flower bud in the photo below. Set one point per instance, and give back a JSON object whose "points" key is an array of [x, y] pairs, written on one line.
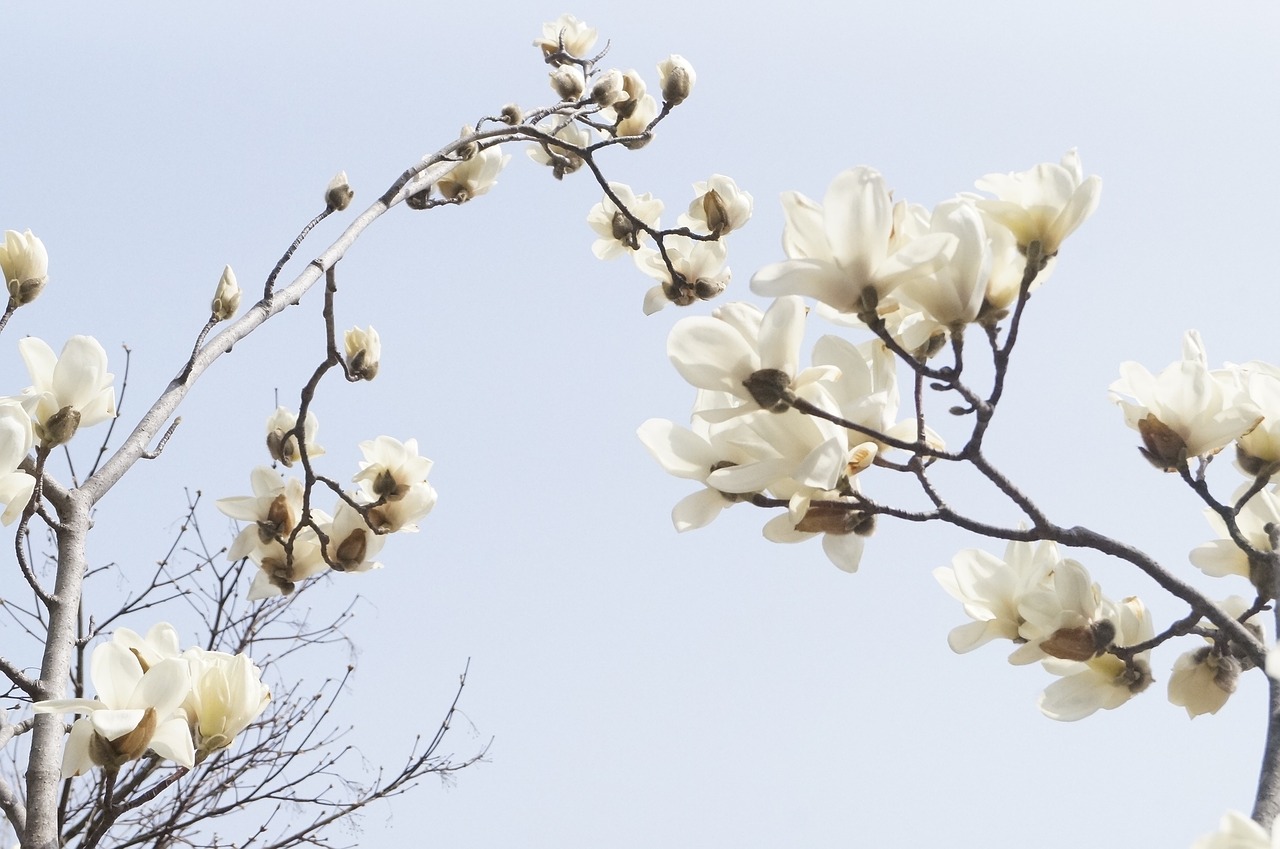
{"points": [[339, 194], [511, 114], [676, 77], [607, 89], [567, 82], [226, 299], [25, 266], [364, 352]]}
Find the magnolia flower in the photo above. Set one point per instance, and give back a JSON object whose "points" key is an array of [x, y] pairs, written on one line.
{"points": [[68, 392], [1202, 680], [696, 272], [283, 445], [637, 121], [1045, 204], [16, 441], [1237, 831], [364, 352], [566, 34], [676, 79], [226, 695], [352, 543], [718, 206], [136, 710], [953, 294], [1185, 411], [226, 299], [338, 194], [561, 160], [607, 89], [473, 176], [1222, 556], [1064, 616], [1258, 451], [992, 589], [1103, 682], [843, 529], [25, 266], [618, 233], [393, 481], [844, 252], [160, 643], [274, 509], [752, 357], [694, 455]]}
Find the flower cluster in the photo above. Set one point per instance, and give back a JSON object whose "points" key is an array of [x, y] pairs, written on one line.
{"points": [[749, 443], [1052, 610], [152, 697], [290, 543]]}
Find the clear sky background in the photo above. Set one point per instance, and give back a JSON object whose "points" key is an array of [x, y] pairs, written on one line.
{"points": [[642, 688]]}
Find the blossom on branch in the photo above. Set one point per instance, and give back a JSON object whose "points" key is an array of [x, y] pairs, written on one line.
{"points": [[282, 444], [474, 175], [846, 252], [392, 481], [1222, 556], [1105, 681], [618, 233], [718, 206], [226, 695], [1044, 205], [561, 160], [1237, 831], [16, 442], [676, 78], [136, 710], [24, 263], [1187, 410], [226, 298], [68, 392], [566, 35], [696, 272], [364, 352]]}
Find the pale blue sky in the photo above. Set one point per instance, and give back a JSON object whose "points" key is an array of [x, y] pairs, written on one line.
{"points": [[644, 689]]}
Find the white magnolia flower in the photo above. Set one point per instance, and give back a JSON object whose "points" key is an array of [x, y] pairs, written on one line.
{"points": [[68, 392], [474, 176], [1259, 450], [569, 33], [1222, 556], [568, 82], [352, 544], [992, 589], [274, 509], [751, 356], [283, 445], [1185, 411], [718, 206], [1064, 616], [24, 262], [676, 79], [697, 272], [364, 351], [226, 695], [1237, 831], [160, 643], [393, 480], [694, 455], [136, 710], [561, 160], [1202, 680], [1103, 682], [637, 121], [16, 442], [1045, 204], [953, 294], [618, 233], [844, 252], [226, 298]]}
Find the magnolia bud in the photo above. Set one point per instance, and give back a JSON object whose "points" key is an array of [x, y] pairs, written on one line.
{"points": [[25, 266], [567, 82], [226, 299], [364, 352], [676, 78], [511, 114], [339, 194], [608, 89]]}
